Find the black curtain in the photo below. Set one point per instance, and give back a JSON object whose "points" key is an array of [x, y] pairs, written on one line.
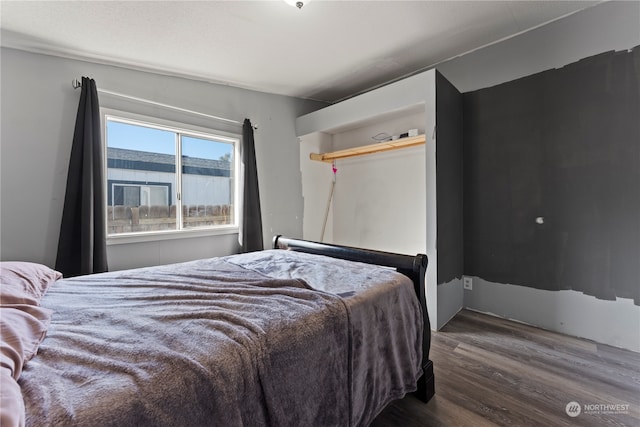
{"points": [[252, 217], [82, 246]]}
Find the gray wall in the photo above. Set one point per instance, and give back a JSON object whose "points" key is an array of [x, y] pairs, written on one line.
{"points": [[38, 109], [562, 147], [449, 165], [611, 26]]}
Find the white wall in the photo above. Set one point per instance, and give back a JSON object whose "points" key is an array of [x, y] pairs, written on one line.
{"points": [[369, 187], [606, 27], [613, 25], [380, 202], [379, 198], [38, 108], [615, 323], [317, 178]]}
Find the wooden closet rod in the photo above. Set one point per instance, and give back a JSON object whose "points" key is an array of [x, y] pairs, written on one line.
{"points": [[369, 149]]}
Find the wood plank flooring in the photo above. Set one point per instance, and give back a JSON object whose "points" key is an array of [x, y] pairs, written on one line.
{"points": [[495, 372]]}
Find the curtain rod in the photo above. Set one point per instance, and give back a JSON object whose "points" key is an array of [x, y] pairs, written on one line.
{"points": [[78, 84]]}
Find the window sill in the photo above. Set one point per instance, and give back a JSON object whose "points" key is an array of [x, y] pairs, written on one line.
{"points": [[126, 238]]}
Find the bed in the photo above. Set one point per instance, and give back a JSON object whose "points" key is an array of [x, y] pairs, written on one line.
{"points": [[305, 333]]}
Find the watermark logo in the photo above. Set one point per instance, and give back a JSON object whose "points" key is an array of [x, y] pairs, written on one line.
{"points": [[605, 408], [573, 409]]}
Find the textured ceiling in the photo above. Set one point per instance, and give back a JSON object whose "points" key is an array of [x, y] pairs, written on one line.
{"points": [[327, 51]]}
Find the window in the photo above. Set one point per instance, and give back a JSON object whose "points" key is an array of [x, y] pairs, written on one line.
{"points": [[135, 194], [168, 177]]}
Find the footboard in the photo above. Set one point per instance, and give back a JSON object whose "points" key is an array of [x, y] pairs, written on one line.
{"points": [[413, 267]]}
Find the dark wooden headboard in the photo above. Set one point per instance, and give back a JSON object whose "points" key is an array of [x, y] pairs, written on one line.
{"points": [[413, 267]]}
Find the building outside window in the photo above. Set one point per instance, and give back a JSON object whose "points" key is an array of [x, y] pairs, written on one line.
{"points": [[164, 177]]}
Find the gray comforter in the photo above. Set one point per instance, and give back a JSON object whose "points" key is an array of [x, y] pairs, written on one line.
{"points": [[270, 338]]}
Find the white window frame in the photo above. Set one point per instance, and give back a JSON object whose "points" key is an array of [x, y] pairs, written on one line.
{"points": [[186, 130]]}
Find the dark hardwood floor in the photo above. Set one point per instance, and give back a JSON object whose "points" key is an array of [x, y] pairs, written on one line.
{"points": [[491, 371]]}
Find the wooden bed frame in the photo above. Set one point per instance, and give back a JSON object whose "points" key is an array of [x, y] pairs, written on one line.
{"points": [[413, 267]]}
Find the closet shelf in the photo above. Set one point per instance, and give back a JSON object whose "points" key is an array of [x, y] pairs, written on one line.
{"points": [[409, 141]]}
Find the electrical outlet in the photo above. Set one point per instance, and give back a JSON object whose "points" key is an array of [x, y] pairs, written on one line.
{"points": [[468, 283]]}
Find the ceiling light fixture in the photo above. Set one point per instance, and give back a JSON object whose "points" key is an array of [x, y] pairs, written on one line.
{"points": [[297, 3]]}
